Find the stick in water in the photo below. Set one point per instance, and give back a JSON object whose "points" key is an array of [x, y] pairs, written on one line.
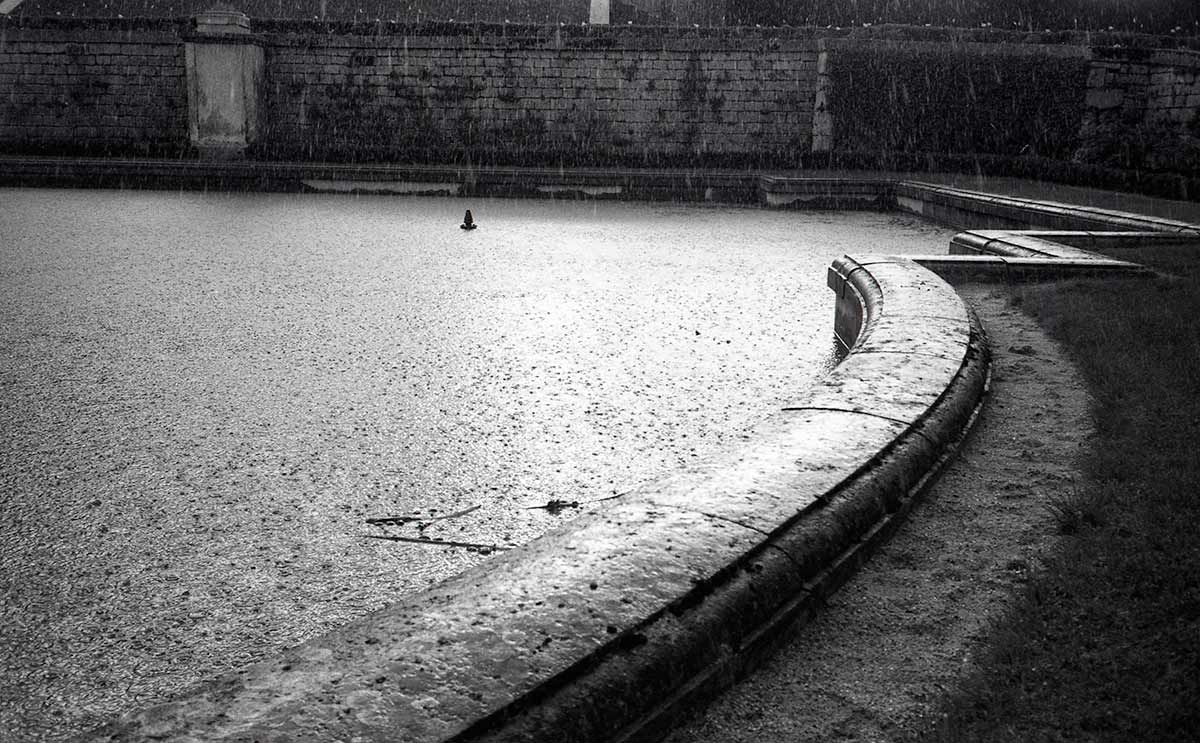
{"points": [[434, 542], [406, 519]]}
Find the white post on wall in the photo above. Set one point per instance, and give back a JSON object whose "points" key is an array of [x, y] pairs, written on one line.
{"points": [[599, 14], [822, 121], [224, 78]]}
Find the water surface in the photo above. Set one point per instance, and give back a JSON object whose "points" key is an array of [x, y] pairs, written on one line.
{"points": [[204, 396]]}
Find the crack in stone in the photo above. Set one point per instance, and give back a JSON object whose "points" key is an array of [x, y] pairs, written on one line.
{"points": [[926, 354], [788, 555], [718, 517], [801, 408], [911, 425]]}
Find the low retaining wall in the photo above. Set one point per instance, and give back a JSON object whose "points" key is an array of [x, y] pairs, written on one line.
{"points": [[957, 207], [1042, 255], [827, 193], [614, 183], [1031, 255], [608, 627], [1034, 254], [974, 210], [1010, 270], [1023, 243]]}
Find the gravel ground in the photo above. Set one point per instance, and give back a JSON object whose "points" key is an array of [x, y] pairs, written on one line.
{"points": [[203, 398], [906, 629]]}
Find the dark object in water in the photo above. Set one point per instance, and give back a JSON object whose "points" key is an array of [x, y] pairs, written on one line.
{"points": [[468, 222], [397, 520]]}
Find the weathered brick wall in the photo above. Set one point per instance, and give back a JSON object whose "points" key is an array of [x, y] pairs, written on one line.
{"points": [[1143, 110], [913, 97], [78, 89], [1174, 90], [604, 95], [508, 94]]}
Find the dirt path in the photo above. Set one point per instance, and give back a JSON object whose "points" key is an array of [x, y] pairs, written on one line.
{"points": [[906, 629]]}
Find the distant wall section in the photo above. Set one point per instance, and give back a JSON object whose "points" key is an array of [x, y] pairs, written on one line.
{"points": [[115, 91], [917, 97], [1143, 110], [604, 96], [1060, 106]]}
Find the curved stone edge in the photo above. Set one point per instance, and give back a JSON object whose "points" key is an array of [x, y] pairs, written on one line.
{"points": [[688, 660], [608, 627]]}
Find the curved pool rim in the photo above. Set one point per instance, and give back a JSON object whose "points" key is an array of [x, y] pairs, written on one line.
{"points": [[607, 628]]}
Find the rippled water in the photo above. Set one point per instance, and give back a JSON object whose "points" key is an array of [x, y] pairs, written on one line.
{"points": [[203, 397]]}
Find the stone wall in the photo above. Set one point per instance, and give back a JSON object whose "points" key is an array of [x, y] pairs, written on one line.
{"points": [[914, 97], [1143, 110], [117, 91], [409, 11], [601, 96]]}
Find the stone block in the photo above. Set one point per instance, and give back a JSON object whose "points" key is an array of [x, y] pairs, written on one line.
{"points": [[1104, 98]]}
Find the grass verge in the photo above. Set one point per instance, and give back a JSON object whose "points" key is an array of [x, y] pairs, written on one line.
{"points": [[1105, 643]]}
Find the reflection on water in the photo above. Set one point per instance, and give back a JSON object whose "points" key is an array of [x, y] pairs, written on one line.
{"points": [[205, 397]]}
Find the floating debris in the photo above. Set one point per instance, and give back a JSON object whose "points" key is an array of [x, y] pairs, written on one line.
{"points": [[483, 548], [558, 505], [399, 520], [555, 506]]}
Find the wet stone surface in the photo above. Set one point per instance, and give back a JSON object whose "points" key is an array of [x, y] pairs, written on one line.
{"points": [[204, 397]]}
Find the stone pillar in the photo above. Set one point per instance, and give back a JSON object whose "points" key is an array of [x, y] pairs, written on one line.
{"points": [[600, 12], [822, 122], [225, 66]]}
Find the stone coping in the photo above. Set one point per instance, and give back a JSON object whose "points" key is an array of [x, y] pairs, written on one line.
{"points": [[827, 192], [1062, 244], [686, 184], [1100, 241], [609, 626], [1016, 45], [871, 190], [1025, 243], [1158, 46], [941, 202], [1040, 255], [1019, 269], [1032, 256]]}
